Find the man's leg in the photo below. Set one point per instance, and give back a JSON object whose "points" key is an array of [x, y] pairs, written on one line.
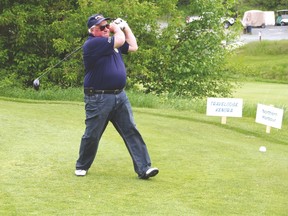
{"points": [[123, 121], [97, 112]]}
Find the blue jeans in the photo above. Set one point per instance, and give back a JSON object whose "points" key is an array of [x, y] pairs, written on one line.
{"points": [[116, 108]]}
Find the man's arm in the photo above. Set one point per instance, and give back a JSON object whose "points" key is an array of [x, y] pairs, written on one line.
{"points": [[130, 39], [119, 36]]}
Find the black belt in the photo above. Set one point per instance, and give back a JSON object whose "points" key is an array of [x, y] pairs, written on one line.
{"points": [[89, 91]]}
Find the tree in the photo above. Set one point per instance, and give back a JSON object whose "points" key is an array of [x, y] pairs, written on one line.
{"points": [[182, 59], [187, 59], [27, 37], [264, 5]]}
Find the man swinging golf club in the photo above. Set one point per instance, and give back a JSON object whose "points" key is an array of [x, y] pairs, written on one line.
{"points": [[105, 99]]}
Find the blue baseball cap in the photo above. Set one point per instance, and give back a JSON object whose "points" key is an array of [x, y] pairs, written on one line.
{"points": [[96, 19]]}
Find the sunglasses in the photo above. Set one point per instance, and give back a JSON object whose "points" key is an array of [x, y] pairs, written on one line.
{"points": [[104, 26]]}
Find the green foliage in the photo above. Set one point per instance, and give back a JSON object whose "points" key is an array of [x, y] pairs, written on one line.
{"points": [[188, 59], [27, 39], [264, 61], [272, 5], [182, 59]]}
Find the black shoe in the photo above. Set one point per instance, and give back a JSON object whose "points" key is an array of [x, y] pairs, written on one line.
{"points": [[151, 172]]}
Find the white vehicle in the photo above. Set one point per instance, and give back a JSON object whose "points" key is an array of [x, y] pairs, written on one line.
{"points": [[227, 22], [282, 17], [284, 21], [190, 19], [254, 18]]}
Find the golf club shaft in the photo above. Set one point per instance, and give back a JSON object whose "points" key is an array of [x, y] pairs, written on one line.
{"points": [[49, 69]]}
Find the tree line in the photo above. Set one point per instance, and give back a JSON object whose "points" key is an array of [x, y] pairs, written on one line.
{"points": [[271, 5], [181, 59], [242, 5]]}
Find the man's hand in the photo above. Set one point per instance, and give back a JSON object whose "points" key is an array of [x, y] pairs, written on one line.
{"points": [[121, 23], [114, 27]]}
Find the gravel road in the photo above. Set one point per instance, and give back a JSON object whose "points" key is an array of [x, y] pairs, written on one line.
{"points": [[268, 33]]}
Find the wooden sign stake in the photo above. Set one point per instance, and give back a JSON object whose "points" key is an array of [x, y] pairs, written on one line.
{"points": [[223, 119]]}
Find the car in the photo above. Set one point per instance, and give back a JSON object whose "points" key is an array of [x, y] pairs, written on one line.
{"points": [[284, 20], [227, 22], [282, 17], [253, 18], [190, 19]]}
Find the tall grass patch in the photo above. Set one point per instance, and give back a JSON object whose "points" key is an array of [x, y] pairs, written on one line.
{"points": [[50, 94], [264, 48], [252, 93], [262, 61]]}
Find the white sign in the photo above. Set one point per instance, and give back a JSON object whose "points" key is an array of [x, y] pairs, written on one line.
{"points": [[269, 116], [225, 107]]}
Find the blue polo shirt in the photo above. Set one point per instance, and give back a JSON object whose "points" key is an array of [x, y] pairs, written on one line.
{"points": [[104, 66]]}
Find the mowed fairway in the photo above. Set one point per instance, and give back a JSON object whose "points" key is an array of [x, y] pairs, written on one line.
{"points": [[205, 168]]}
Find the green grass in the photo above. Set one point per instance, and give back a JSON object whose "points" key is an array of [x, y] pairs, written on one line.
{"points": [[268, 93], [264, 48], [254, 93], [263, 61], [205, 168]]}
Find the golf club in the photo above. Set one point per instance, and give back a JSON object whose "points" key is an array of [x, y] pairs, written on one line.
{"points": [[36, 82]]}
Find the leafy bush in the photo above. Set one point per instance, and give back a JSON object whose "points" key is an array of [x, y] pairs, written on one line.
{"points": [[182, 59]]}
